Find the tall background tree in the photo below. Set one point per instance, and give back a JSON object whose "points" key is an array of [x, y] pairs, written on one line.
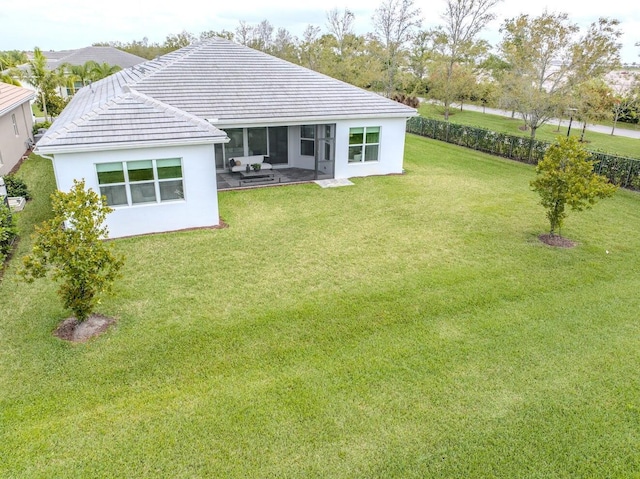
{"points": [[457, 47], [548, 59], [395, 23]]}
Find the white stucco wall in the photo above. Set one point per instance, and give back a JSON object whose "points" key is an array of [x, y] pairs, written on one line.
{"points": [[198, 209], [391, 152], [13, 146]]}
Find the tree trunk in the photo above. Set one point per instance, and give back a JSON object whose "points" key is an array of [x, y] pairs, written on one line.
{"points": [[615, 120], [584, 127], [44, 106]]}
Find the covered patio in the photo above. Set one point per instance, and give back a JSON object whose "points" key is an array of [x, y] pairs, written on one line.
{"points": [[228, 181]]}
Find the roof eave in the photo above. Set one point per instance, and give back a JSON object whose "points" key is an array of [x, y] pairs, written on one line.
{"points": [[125, 145], [222, 123], [17, 104]]}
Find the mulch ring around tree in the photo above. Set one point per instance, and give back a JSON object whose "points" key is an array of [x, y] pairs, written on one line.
{"points": [[78, 332], [557, 241]]}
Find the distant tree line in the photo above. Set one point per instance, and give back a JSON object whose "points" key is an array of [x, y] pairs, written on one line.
{"points": [[543, 67]]}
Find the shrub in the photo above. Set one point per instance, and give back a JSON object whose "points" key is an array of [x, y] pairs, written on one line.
{"points": [[41, 124], [8, 231], [16, 186]]}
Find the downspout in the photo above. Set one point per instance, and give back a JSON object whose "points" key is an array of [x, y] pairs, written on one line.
{"points": [[53, 163]]}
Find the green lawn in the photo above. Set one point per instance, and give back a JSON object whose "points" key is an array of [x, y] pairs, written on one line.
{"points": [[617, 145], [406, 327], [36, 110]]}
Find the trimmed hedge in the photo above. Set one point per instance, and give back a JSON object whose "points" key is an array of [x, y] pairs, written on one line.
{"points": [[621, 171]]}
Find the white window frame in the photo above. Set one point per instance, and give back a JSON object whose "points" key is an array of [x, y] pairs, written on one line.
{"points": [[364, 145], [15, 124], [305, 139], [156, 182]]}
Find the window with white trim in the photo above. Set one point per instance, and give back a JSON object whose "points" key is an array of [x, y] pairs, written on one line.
{"points": [[364, 144], [308, 140], [15, 124], [127, 183]]}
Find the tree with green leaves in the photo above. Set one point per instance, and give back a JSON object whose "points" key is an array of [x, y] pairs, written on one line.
{"points": [[565, 178], [593, 100], [98, 71], [456, 44], [178, 40], [71, 245], [548, 58], [9, 61], [46, 82]]}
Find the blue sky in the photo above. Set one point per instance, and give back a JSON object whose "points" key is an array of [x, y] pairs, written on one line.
{"points": [[52, 26]]}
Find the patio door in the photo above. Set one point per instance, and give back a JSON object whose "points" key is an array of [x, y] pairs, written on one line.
{"points": [[279, 145], [325, 151]]}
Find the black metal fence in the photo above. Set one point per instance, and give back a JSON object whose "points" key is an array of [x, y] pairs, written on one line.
{"points": [[624, 172]]}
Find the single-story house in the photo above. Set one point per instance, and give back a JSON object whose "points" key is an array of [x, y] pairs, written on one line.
{"points": [[159, 139], [16, 125]]}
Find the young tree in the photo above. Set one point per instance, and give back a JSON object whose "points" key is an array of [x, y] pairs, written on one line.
{"points": [[395, 22], [70, 244], [565, 177]]}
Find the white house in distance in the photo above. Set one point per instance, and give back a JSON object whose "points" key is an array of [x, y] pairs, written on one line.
{"points": [[157, 139], [16, 125]]}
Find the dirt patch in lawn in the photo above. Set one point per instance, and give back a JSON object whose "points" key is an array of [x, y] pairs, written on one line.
{"points": [[557, 241], [78, 332]]}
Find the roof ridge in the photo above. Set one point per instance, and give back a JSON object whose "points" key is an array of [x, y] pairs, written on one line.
{"points": [[175, 56]]}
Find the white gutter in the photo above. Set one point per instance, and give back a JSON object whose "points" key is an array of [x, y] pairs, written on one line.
{"points": [[296, 120]]}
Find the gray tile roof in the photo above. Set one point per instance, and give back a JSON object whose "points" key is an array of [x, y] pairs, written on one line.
{"points": [[12, 96], [129, 117], [109, 55], [216, 79]]}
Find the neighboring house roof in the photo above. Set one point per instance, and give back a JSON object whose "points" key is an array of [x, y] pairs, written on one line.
{"points": [[109, 55], [221, 80], [13, 96]]}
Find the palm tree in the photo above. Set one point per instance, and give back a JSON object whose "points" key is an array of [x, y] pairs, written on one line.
{"points": [[43, 79], [100, 71], [82, 73], [8, 62]]}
